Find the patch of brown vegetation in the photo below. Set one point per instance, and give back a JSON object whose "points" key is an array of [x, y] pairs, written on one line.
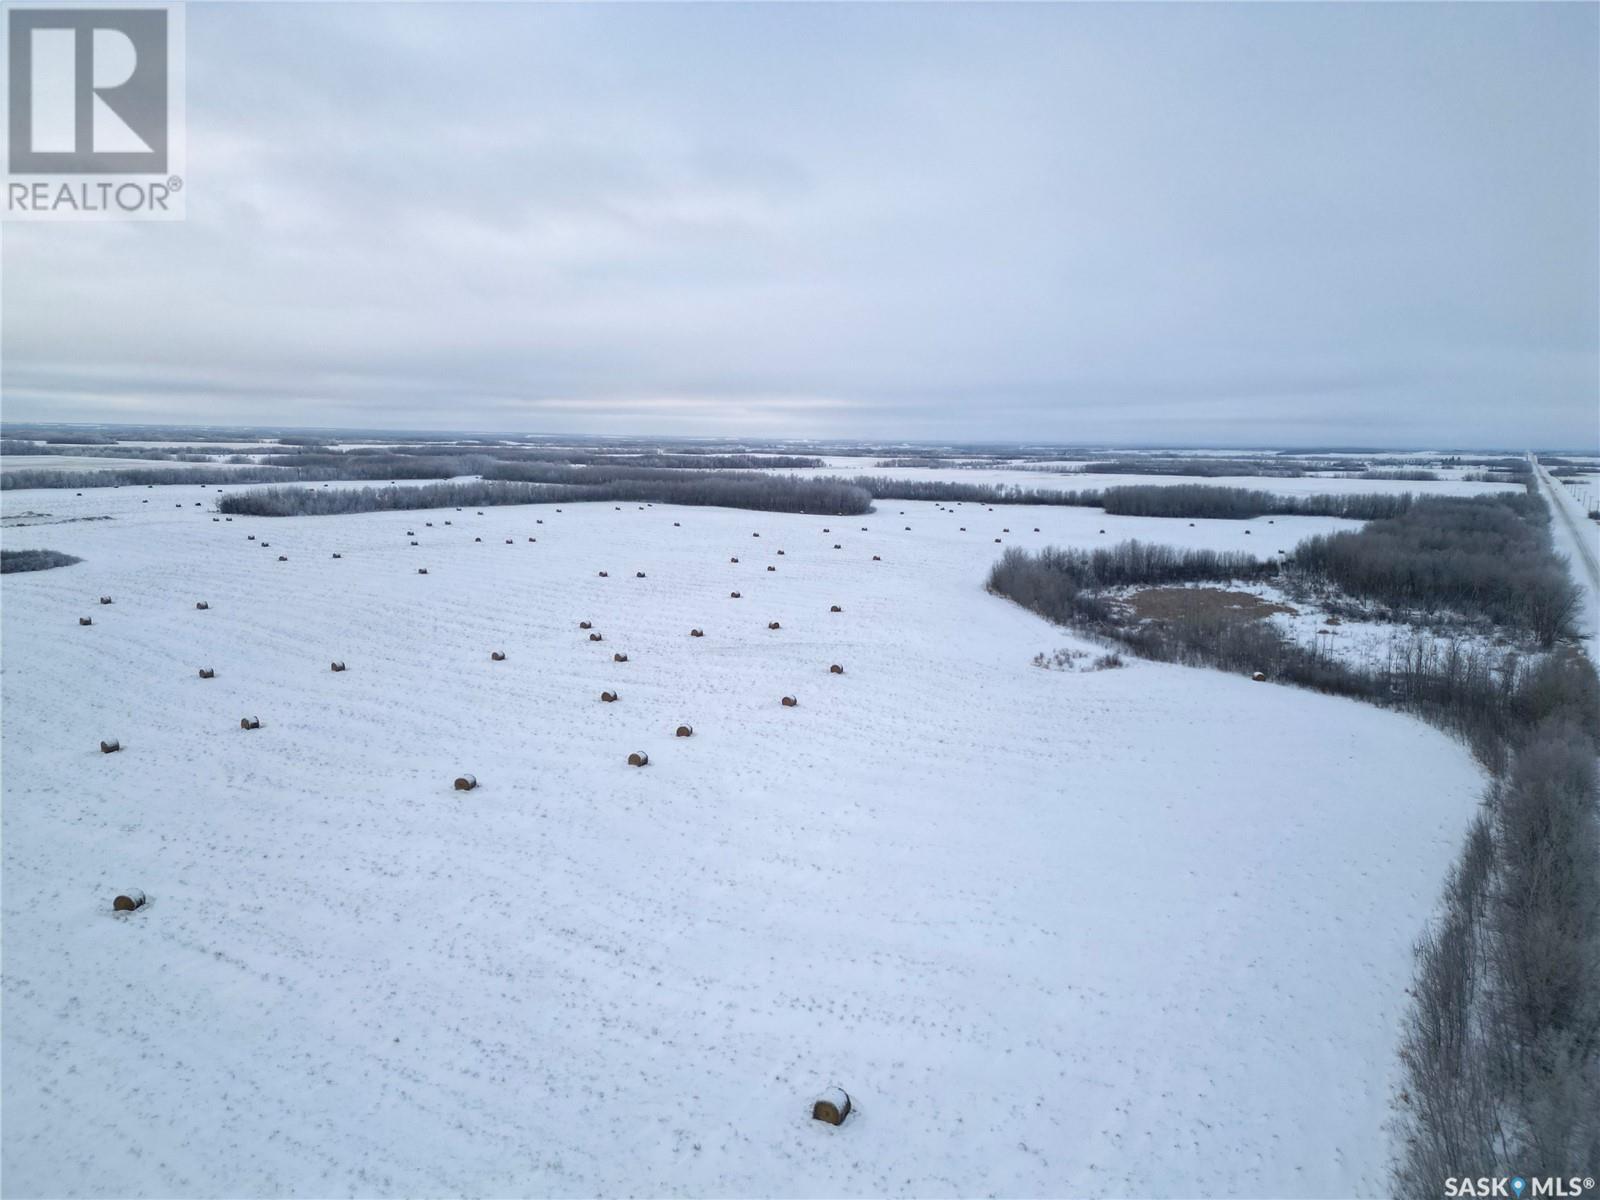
{"points": [[1167, 603]]}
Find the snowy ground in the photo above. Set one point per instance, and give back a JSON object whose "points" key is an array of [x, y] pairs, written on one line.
{"points": [[1141, 931]]}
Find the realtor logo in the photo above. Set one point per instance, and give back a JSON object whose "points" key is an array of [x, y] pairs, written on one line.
{"points": [[94, 92]]}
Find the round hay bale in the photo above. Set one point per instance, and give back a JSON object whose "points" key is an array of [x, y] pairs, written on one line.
{"points": [[604, 575], [875, 558], [963, 529], [619, 657], [1102, 531], [413, 543], [1259, 676], [790, 702], [595, 637], [675, 525], [533, 539], [208, 673], [283, 558], [608, 697], [477, 539], [684, 731], [249, 722], [336, 666], [1005, 529], [85, 620], [1247, 533], [336, 554], [772, 625], [130, 901], [731, 595], [908, 529], [638, 759], [540, 520], [837, 546], [110, 747], [497, 656], [755, 535], [429, 524], [411, 533], [585, 624], [105, 599], [447, 522], [265, 545], [422, 570], [697, 633], [825, 529], [638, 574], [734, 559], [997, 541], [835, 669], [834, 608], [1036, 529], [833, 1106], [465, 783], [770, 567], [780, 551], [510, 542]]}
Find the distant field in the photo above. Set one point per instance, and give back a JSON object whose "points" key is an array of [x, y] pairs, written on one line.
{"points": [[1053, 930]]}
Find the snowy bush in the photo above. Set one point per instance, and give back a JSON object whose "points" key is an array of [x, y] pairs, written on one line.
{"points": [[33, 560]]}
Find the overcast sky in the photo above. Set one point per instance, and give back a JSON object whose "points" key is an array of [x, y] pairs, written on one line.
{"points": [[1248, 225]]}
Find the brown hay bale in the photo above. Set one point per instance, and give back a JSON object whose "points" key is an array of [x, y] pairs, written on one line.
{"points": [[638, 574], [130, 901], [249, 722], [465, 783], [731, 595], [790, 702], [336, 666], [697, 633], [834, 608], [1259, 676], [595, 637], [422, 570], [608, 697], [833, 1106], [1335, 621], [638, 759], [85, 620], [684, 731], [585, 624], [110, 747], [619, 657], [835, 669], [208, 673], [772, 625], [105, 599], [497, 656]]}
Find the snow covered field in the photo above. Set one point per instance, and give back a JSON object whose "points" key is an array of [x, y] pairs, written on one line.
{"points": [[1141, 931]]}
